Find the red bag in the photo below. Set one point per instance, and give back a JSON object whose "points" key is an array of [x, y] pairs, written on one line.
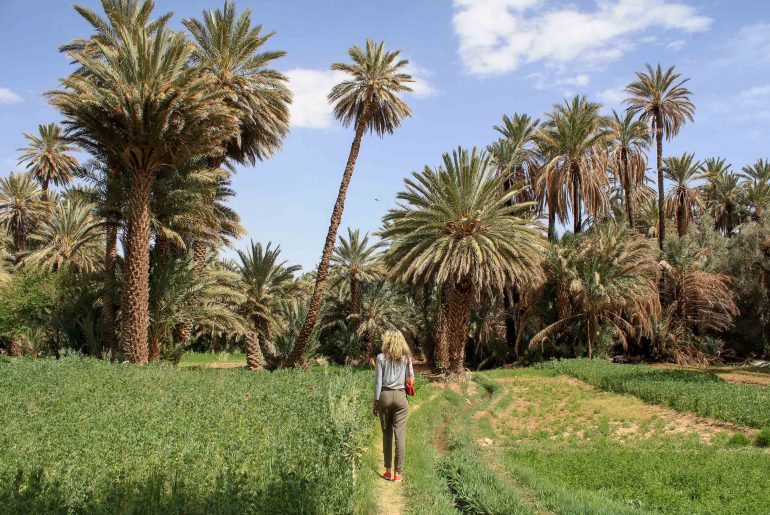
{"points": [[409, 381]]}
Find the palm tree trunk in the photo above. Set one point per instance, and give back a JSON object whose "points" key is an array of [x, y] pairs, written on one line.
{"points": [[510, 322], [659, 156], [135, 301], [441, 349], [14, 349], [458, 316], [627, 190], [154, 351], [108, 290], [576, 209], [331, 237], [254, 359], [355, 300], [681, 219], [551, 223]]}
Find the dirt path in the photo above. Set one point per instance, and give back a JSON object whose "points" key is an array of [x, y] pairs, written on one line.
{"points": [[390, 495]]}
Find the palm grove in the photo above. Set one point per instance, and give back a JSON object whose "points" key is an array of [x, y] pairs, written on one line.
{"points": [[122, 260]]}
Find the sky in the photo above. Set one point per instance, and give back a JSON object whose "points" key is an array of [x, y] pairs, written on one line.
{"points": [[473, 61]]}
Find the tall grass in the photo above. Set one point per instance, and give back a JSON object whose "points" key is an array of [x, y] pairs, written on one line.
{"points": [[696, 392], [82, 435]]}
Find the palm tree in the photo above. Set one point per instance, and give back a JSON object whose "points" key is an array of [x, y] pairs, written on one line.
{"points": [[723, 194], [383, 308], [574, 140], [662, 101], [369, 100], [356, 262], [515, 154], [47, 157], [124, 98], [756, 187], [229, 48], [22, 208], [454, 229], [106, 191], [71, 237], [683, 199], [629, 141], [758, 172], [606, 278], [755, 197], [180, 294], [265, 280], [696, 297]]}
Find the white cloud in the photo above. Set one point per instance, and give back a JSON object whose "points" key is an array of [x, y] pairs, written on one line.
{"points": [[751, 44], [566, 83], [613, 97], [499, 36], [752, 104], [676, 44], [421, 88], [310, 108], [9, 97]]}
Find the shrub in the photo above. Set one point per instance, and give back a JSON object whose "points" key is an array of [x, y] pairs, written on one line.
{"points": [[763, 438], [739, 440]]}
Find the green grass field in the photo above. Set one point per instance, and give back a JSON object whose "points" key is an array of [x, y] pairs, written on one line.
{"points": [[85, 436], [203, 359]]}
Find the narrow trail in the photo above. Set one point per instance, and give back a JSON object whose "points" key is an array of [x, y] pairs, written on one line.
{"points": [[390, 495]]}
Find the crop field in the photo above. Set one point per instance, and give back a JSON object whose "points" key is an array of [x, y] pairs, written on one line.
{"points": [[85, 436], [538, 441]]}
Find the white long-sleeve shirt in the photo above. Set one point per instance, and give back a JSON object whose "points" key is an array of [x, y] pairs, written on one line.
{"points": [[391, 374]]}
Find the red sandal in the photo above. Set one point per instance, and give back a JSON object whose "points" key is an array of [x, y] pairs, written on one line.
{"points": [[387, 475], [397, 478]]}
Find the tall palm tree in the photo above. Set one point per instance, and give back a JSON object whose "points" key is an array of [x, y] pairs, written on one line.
{"points": [[574, 138], [383, 308], [70, 237], [369, 99], [723, 194], [106, 190], [629, 141], [124, 98], [661, 100], [683, 199], [22, 208], [48, 157], [356, 262], [230, 49], [454, 229], [515, 154], [265, 280], [605, 278]]}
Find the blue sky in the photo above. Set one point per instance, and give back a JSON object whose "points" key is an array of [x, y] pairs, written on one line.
{"points": [[474, 61]]}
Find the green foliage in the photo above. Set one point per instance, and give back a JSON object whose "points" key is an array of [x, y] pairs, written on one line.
{"points": [[739, 440], [476, 489], [704, 394], [26, 303], [161, 440], [763, 438]]}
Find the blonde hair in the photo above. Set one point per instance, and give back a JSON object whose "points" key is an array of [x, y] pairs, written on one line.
{"points": [[394, 345]]}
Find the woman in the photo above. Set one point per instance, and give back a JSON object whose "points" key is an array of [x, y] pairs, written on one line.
{"points": [[394, 370]]}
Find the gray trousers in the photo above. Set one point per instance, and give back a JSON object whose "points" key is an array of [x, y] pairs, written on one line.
{"points": [[394, 411]]}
